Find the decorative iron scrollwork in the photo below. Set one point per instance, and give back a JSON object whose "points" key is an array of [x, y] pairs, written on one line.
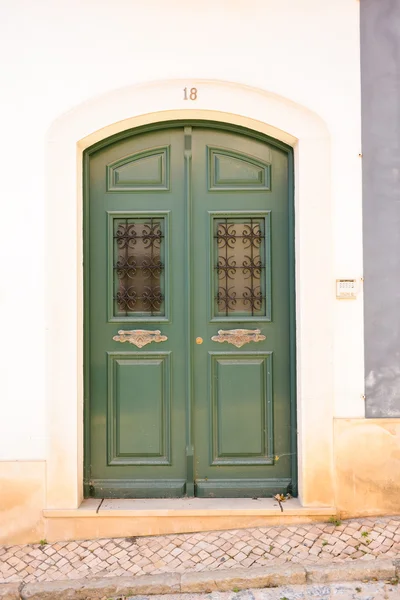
{"points": [[150, 233], [139, 337], [238, 337], [138, 266], [240, 266]]}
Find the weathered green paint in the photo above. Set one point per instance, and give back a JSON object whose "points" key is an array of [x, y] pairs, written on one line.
{"points": [[242, 390], [179, 417], [149, 390]]}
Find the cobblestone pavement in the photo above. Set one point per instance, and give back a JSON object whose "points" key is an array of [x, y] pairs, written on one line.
{"points": [[364, 539], [355, 590]]}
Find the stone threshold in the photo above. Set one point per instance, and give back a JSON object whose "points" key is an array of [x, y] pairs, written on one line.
{"points": [[96, 519], [190, 507]]}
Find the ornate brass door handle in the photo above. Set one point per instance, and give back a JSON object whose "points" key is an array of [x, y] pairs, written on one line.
{"points": [[139, 337], [238, 337]]}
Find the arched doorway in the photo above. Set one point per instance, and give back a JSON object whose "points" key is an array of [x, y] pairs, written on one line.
{"points": [[189, 313]]}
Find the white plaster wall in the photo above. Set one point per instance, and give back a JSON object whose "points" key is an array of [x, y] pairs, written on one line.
{"points": [[59, 54]]}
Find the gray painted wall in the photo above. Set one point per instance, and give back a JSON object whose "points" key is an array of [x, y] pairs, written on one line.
{"points": [[380, 75]]}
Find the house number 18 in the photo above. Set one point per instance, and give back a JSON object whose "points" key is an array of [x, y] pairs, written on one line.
{"points": [[190, 94]]}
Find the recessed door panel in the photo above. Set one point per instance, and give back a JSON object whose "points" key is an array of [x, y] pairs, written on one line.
{"points": [[139, 409], [230, 170], [142, 171], [242, 408]]}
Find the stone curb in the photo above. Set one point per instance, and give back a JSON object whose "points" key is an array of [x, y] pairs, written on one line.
{"points": [[10, 591], [94, 589], [226, 581], [204, 581], [357, 570]]}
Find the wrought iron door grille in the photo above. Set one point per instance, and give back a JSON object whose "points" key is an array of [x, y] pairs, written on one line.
{"points": [[139, 267], [240, 266]]}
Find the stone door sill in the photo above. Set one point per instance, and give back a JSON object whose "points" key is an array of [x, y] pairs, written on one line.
{"points": [[190, 507]]}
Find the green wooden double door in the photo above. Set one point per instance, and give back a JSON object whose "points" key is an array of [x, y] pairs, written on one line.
{"points": [[187, 318]]}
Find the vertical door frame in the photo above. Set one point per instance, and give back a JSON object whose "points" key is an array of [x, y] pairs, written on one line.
{"points": [[216, 126], [236, 104]]}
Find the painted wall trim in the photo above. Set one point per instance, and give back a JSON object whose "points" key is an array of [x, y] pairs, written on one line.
{"points": [[232, 103]]}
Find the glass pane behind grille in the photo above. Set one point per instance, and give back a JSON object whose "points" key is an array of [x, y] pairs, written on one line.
{"points": [[239, 269], [139, 277]]}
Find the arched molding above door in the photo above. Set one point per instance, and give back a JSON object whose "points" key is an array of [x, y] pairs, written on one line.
{"points": [[161, 101]]}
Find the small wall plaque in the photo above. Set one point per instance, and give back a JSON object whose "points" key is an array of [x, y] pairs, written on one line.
{"points": [[346, 289]]}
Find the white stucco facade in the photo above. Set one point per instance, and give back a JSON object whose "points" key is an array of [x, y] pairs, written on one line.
{"points": [[77, 72]]}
